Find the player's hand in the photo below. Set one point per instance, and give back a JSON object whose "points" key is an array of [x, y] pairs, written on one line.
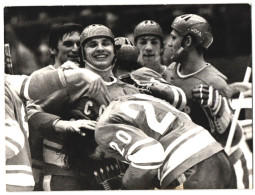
{"points": [[70, 65], [207, 96], [96, 82], [75, 126], [244, 87]]}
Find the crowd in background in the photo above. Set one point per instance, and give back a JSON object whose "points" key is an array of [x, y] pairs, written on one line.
{"points": [[27, 30], [31, 53]]}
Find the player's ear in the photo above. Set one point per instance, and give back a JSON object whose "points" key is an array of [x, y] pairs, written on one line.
{"points": [[53, 51], [162, 49], [188, 41]]}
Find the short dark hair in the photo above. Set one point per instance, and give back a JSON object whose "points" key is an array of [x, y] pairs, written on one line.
{"points": [[58, 31]]}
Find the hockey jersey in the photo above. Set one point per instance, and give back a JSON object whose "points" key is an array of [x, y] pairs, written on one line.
{"points": [[72, 102], [133, 128], [19, 175], [208, 76]]}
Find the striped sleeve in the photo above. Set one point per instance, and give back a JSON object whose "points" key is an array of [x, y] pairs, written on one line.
{"points": [[14, 137], [184, 149], [172, 94]]}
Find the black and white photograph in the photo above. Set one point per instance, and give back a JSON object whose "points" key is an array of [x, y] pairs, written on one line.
{"points": [[113, 96]]}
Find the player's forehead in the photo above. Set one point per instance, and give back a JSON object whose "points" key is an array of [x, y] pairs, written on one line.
{"points": [[98, 40], [148, 38], [175, 33], [71, 36]]}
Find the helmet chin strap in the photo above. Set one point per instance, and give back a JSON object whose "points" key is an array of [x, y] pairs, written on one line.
{"points": [[98, 69], [179, 51]]}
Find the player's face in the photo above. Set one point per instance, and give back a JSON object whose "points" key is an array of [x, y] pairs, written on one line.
{"points": [[167, 54], [174, 44], [68, 48], [150, 50], [99, 52]]}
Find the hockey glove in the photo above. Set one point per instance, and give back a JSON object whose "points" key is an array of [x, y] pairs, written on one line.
{"points": [[108, 173], [215, 105]]}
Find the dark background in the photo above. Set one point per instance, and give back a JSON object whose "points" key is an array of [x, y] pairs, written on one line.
{"points": [[29, 28]]}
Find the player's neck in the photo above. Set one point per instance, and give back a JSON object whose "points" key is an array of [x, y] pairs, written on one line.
{"points": [[158, 68], [57, 63], [192, 63], [106, 75]]}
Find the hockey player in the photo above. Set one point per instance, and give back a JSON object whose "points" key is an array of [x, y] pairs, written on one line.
{"points": [[205, 87], [148, 37], [51, 116], [18, 88], [157, 140], [145, 79]]}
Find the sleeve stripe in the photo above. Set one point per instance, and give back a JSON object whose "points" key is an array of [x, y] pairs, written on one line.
{"points": [[14, 143], [198, 142], [62, 77], [182, 99], [12, 147], [138, 144], [24, 168], [176, 96], [148, 156], [146, 167], [24, 88]]}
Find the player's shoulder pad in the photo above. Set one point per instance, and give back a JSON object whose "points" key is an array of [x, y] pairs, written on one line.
{"points": [[127, 87], [216, 77], [145, 73], [214, 70]]}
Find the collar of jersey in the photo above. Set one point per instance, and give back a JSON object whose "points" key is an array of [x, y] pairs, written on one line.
{"points": [[191, 74], [114, 80]]}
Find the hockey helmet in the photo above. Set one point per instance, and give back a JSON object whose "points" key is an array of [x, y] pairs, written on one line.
{"points": [[93, 31], [195, 25], [126, 49], [148, 27]]}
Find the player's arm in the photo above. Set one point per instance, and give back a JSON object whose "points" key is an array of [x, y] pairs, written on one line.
{"points": [[150, 82], [43, 84], [172, 94]]}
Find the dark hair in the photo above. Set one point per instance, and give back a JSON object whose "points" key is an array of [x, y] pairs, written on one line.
{"points": [[57, 32], [199, 48]]}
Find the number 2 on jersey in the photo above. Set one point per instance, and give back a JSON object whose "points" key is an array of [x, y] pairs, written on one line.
{"points": [[153, 123]]}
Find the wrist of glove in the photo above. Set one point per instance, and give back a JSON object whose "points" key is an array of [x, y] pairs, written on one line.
{"points": [[216, 107], [210, 98]]}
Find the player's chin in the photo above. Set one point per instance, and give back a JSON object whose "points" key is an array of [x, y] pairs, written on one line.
{"points": [[75, 60]]}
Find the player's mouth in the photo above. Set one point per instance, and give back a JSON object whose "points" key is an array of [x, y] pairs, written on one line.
{"points": [[100, 57], [148, 55]]}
